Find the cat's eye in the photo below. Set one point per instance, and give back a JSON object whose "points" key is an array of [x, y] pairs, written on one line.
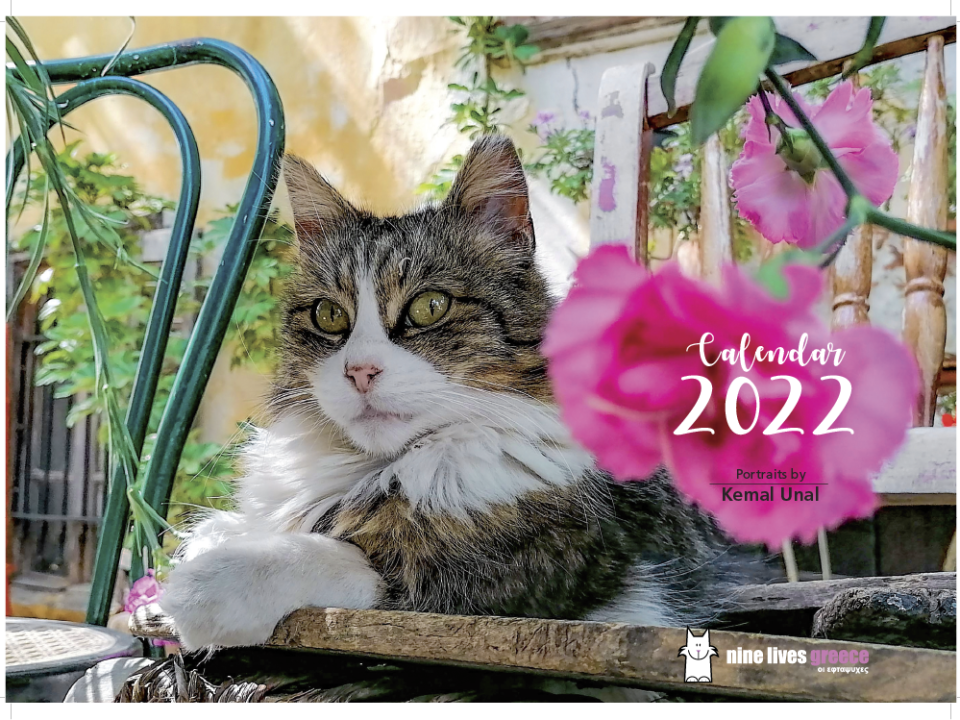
{"points": [[427, 308], [330, 317]]}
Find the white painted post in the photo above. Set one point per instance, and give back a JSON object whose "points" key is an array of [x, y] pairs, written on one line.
{"points": [[621, 161], [716, 242]]}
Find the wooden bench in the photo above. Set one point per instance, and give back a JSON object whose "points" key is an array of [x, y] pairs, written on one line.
{"points": [[614, 654]]}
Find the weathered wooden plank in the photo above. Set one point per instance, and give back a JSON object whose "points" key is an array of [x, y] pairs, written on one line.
{"points": [[716, 243], [924, 314], [901, 36], [621, 654], [569, 36], [923, 472], [621, 158], [149, 621], [815, 594], [891, 616]]}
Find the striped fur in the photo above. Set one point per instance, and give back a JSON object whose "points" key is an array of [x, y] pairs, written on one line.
{"points": [[452, 475]]}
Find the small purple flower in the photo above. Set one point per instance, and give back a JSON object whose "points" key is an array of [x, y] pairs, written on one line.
{"points": [[684, 165], [542, 124], [585, 116], [543, 117]]}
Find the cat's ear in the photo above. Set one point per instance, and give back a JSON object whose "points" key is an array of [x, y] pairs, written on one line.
{"points": [[690, 635], [491, 188], [316, 204]]}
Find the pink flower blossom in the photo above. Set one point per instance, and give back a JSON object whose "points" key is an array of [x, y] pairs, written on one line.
{"points": [[144, 591], [618, 350], [786, 207]]}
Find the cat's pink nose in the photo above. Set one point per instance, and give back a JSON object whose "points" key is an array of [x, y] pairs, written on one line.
{"points": [[362, 375]]}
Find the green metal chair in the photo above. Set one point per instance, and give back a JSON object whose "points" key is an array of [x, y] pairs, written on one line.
{"points": [[212, 322]]}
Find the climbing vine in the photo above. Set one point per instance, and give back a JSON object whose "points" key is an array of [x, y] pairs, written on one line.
{"points": [[489, 45]]}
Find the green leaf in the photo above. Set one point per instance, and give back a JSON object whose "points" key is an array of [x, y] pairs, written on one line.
{"points": [[788, 50], [668, 79], [731, 73], [28, 74], [520, 34], [35, 257], [524, 53], [770, 274], [717, 23], [41, 72]]}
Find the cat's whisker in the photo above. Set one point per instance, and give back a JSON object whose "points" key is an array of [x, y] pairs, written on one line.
{"points": [[503, 413], [501, 387]]}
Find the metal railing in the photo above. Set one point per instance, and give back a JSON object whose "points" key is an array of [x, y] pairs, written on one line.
{"points": [[56, 501]]}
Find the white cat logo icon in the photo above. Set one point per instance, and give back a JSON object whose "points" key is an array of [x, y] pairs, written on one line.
{"points": [[698, 652]]}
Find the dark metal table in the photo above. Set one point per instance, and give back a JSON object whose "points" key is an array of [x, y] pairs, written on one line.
{"points": [[45, 657]]}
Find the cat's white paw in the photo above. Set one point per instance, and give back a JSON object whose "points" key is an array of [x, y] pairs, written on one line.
{"points": [[236, 593]]}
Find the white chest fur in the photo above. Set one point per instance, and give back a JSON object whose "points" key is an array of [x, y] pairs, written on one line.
{"points": [[295, 472]]}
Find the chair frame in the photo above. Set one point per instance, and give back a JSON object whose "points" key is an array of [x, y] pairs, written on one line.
{"points": [[102, 75]]}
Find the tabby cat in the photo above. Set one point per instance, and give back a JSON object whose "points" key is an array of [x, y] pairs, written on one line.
{"points": [[413, 457]]}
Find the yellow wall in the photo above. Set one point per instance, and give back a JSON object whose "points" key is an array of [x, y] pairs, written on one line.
{"points": [[365, 99]]}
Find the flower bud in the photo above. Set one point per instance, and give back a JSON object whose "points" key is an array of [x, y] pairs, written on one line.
{"points": [[800, 153]]}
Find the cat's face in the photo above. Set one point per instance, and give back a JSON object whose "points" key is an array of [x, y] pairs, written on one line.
{"points": [[398, 326], [698, 647]]}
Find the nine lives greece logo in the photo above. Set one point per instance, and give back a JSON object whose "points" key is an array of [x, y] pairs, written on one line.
{"points": [[698, 651], [699, 654]]}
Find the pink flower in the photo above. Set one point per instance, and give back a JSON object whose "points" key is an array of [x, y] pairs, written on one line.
{"points": [[144, 591], [622, 341], [787, 207]]}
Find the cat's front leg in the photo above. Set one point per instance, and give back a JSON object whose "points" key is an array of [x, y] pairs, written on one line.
{"points": [[237, 592]]}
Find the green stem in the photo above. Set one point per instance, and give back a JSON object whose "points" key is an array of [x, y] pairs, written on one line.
{"points": [[865, 53], [771, 118], [487, 70], [668, 78], [902, 227], [786, 93], [836, 241]]}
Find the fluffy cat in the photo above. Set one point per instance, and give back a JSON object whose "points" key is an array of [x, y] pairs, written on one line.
{"points": [[413, 459]]}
